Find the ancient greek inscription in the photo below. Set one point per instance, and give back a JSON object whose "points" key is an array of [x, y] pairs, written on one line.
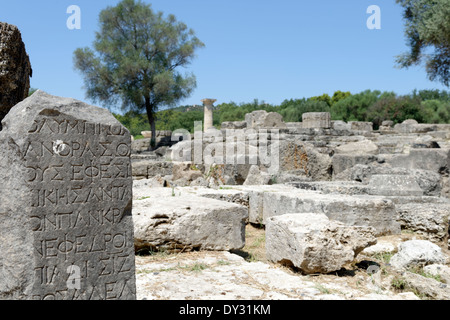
{"points": [[79, 175]]}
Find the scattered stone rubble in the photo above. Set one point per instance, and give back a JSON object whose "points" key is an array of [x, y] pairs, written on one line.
{"points": [[339, 188]]}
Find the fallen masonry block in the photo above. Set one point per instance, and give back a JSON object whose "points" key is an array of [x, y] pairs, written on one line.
{"points": [[428, 219], [313, 243], [362, 210], [342, 162], [417, 253], [316, 120], [436, 160], [361, 126], [363, 147], [394, 185], [177, 220]]}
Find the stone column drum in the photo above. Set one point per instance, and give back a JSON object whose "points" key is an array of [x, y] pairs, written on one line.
{"points": [[208, 121], [66, 230]]}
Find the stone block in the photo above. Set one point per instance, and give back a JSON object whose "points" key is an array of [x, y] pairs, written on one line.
{"points": [[313, 243], [316, 120], [351, 210], [417, 253], [394, 185], [360, 147], [182, 221], [65, 203], [361, 126]]}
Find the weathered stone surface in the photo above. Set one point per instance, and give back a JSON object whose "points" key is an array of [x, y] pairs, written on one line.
{"points": [[313, 243], [141, 145], [412, 126], [435, 160], [180, 220], [294, 125], [358, 148], [387, 123], [236, 125], [415, 253], [140, 170], [351, 210], [255, 177], [394, 185], [159, 134], [334, 187], [15, 69], [428, 219], [428, 181], [66, 199], [316, 120], [440, 270], [263, 119], [340, 125], [379, 248], [185, 170], [303, 159], [343, 162], [426, 287], [361, 126]]}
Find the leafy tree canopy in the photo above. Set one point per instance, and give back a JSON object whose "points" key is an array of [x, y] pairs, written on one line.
{"points": [[135, 59], [427, 26]]}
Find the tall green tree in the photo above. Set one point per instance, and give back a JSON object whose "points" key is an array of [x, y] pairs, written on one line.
{"points": [[136, 58], [427, 28]]}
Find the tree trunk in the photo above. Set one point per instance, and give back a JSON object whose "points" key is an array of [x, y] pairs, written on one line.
{"points": [[151, 120]]}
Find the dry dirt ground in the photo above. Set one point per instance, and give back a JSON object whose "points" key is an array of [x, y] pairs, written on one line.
{"points": [[247, 275]]}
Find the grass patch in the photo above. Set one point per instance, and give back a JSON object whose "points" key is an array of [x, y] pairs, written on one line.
{"points": [[223, 263], [196, 267], [255, 244], [399, 283], [322, 288], [421, 272], [384, 257]]}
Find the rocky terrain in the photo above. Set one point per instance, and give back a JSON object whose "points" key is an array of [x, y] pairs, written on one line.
{"points": [[351, 212]]}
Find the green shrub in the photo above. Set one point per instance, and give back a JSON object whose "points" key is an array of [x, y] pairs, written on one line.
{"points": [[397, 109]]}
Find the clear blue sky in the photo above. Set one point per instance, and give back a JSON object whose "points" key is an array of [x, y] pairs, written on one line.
{"points": [[264, 49]]}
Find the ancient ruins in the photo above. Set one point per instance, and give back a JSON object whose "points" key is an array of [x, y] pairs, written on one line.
{"points": [[339, 188], [66, 203], [79, 199]]}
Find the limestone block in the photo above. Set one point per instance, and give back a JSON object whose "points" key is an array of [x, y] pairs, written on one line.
{"points": [[351, 210], [428, 219], [65, 203], [415, 253], [316, 120], [360, 148], [361, 126], [313, 243], [394, 185], [184, 221]]}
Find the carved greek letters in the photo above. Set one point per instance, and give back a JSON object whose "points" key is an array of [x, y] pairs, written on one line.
{"points": [[65, 203], [79, 175]]}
